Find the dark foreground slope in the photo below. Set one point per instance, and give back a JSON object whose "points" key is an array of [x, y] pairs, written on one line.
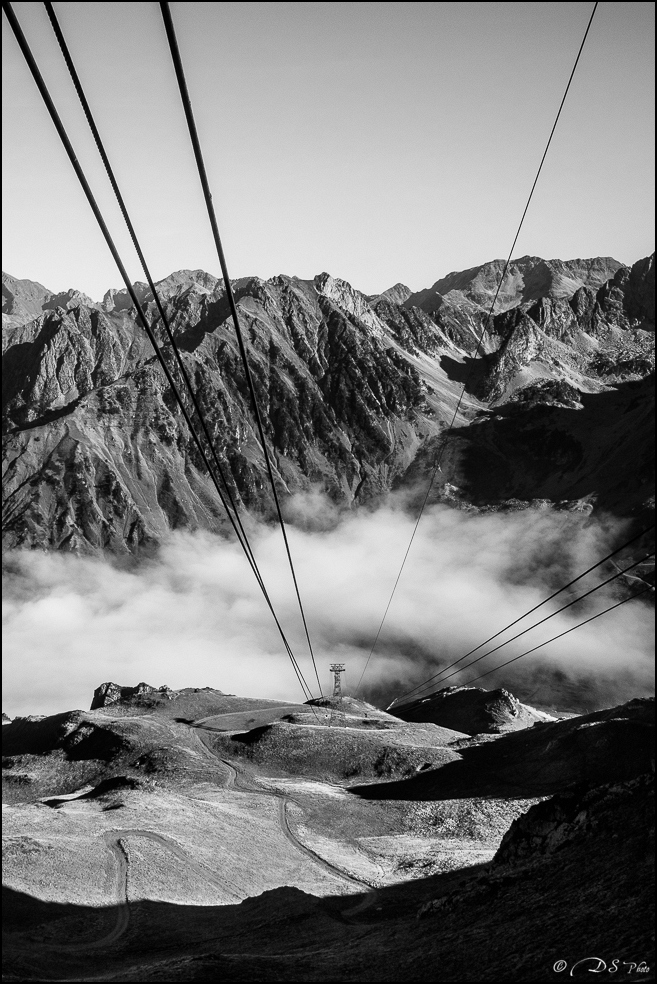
{"points": [[523, 922]]}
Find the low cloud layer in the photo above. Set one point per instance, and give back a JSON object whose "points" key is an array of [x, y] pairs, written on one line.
{"points": [[194, 616]]}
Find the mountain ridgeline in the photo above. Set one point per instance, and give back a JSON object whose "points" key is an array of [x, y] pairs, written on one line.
{"points": [[357, 394]]}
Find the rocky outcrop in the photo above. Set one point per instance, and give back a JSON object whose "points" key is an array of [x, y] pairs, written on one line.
{"points": [[111, 693], [471, 710], [574, 857], [640, 292], [71, 732]]}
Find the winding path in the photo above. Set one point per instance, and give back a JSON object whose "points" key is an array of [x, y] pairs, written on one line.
{"points": [[288, 833], [115, 841]]}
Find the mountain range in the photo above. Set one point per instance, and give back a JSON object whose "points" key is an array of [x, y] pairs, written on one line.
{"points": [[357, 393]]}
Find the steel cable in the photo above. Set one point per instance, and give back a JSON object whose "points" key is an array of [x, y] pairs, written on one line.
{"points": [[133, 235], [561, 634], [478, 348], [536, 625], [436, 676], [198, 155], [45, 94]]}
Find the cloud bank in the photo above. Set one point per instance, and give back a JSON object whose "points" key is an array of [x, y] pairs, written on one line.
{"points": [[193, 615]]}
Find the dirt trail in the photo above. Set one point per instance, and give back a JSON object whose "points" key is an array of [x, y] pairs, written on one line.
{"points": [[113, 837], [317, 858], [115, 841], [120, 900], [238, 782]]}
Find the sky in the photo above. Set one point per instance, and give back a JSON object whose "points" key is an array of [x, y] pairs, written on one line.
{"points": [[381, 142]]}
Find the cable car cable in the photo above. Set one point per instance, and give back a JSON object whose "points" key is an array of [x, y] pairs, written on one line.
{"points": [[547, 618], [45, 94], [421, 686], [196, 145], [479, 344], [561, 634]]}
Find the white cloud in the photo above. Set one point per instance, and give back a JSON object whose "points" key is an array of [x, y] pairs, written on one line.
{"points": [[194, 616]]}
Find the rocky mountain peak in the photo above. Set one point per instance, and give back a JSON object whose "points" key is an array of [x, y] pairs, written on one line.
{"points": [[178, 283], [28, 295], [396, 295], [24, 300], [527, 279], [349, 300], [118, 299], [69, 299], [187, 278]]}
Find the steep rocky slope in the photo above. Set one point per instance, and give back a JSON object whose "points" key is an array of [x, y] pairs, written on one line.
{"points": [[355, 392]]}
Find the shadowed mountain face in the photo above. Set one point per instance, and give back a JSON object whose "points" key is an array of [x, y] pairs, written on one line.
{"points": [[356, 393]]}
